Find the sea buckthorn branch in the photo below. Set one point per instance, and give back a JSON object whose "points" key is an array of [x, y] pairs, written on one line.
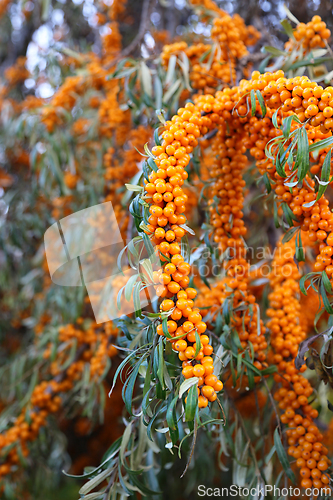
{"points": [[308, 36], [285, 325], [165, 228], [304, 208], [228, 224], [308, 201], [299, 50], [214, 65], [206, 104]]}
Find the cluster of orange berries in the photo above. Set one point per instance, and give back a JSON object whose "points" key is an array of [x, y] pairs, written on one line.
{"points": [[313, 216], [202, 75], [97, 342], [164, 193], [114, 121], [305, 98], [229, 230], [163, 216], [64, 98], [232, 37], [44, 400], [310, 35], [71, 180], [230, 106], [111, 42], [16, 73], [248, 35], [228, 187], [304, 437], [113, 12]]}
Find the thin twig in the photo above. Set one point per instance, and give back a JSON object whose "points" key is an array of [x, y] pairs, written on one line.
{"points": [[195, 431], [139, 36], [274, 407], [110, 484]]}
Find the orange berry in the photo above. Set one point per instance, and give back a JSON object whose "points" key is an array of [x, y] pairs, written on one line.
{"points": [[172, 326], [170, 268], [207, 350], [164, 279], [170, 235], [176, 314], [202, 402], [322, 465], [181, 304], [191, 293], [159, 233], [173, 287], [190, 352], [180, 345], [187, 326], [211, 380], [187, 371], [218, 386], [167, 304], [198, 370]]}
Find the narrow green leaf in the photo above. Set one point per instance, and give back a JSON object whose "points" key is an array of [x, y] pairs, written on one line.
{"points": [[128, 387], [274, 51], [325, 175], [253, 102], [288, 28], [165, 328], [129, 286], [160, 370], [171, 69], [267, 183], [326, 282], [191, 404], [171, 417], [323, 295], [93, 483], [316, 147], [249, 372], [283, 456], [186, 385], [148, 244], [152, 164], [261, 103], [136, 300], [198, 344], [290, 15], [289, 234], [156, 137], [299, 251]]}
